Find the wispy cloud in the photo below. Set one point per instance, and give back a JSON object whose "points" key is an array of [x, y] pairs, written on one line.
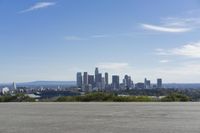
{"points": [[80, 38], [192, 22], [100, 36], [176, 24], [160, 51], [191, 50], [165, 29], [39, 5], [74, 38]]}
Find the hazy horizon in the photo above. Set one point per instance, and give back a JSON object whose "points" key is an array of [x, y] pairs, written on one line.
{"points": [[52, 40], [26, 82]]}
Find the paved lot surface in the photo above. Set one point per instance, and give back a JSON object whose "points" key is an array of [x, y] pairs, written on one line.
{"points": [[100, 118]]}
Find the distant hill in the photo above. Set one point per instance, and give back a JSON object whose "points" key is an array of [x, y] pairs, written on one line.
{"points": [[47, 83], [73, 83], [182, 85], [43, 83]]}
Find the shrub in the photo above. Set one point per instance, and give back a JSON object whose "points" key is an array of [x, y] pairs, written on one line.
{"points": [[175, 97], [103, 97], [16, 98]]}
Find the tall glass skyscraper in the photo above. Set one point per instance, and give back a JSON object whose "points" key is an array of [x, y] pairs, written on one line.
{"points": [[85, 78], [106, 79], [96, 75], [115, 82], [79, 79], [159, 83]]}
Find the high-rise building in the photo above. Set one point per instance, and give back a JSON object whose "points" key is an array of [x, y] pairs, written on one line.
{"points": [[14, 86], [139, 85], [145, 82], [79, 79], [99, 81], [99, 77], [96, 74], [159, 83], [127, 82], [103, 84], [85, 78], [91, 80], [106, 79], [130, 82], [96, 71], [115, 82], [148, 84]]}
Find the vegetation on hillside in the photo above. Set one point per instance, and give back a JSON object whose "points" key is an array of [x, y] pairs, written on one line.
{"points": [[16, 98], [100, 97], [110, 97], [175, 97], [193, 94], [104, 97]]}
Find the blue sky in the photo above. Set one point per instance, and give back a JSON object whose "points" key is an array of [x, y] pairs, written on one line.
{"points": [[53, 39]]}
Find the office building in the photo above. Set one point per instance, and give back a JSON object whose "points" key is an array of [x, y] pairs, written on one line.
{"points": [[91, 80], [115, 82], [85, 78], [128, 83], [14, 86], [159, 83], [79, 79], [147, 84], [96, 75], [103, 83], [99, 81], [106, 79], [139, 86]]}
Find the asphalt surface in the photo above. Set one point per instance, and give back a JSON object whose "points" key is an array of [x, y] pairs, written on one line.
{"points": [[100, 118]]}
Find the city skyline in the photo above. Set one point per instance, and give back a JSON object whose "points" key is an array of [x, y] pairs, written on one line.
{"points": [[54, 39], [109, 76], [99, 81]]}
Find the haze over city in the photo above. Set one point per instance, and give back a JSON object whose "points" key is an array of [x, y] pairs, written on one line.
{"points": [[55, 39]]}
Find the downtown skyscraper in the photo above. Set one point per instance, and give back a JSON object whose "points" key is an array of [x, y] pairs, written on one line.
{"points": [[115, 82], [79, 79], [159, 83]]}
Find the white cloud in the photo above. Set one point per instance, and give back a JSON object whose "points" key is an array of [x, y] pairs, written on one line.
{"points": [[165, 29], [184, 70], [38, 5], [191, 50], [164, 61], [113, 65]]}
